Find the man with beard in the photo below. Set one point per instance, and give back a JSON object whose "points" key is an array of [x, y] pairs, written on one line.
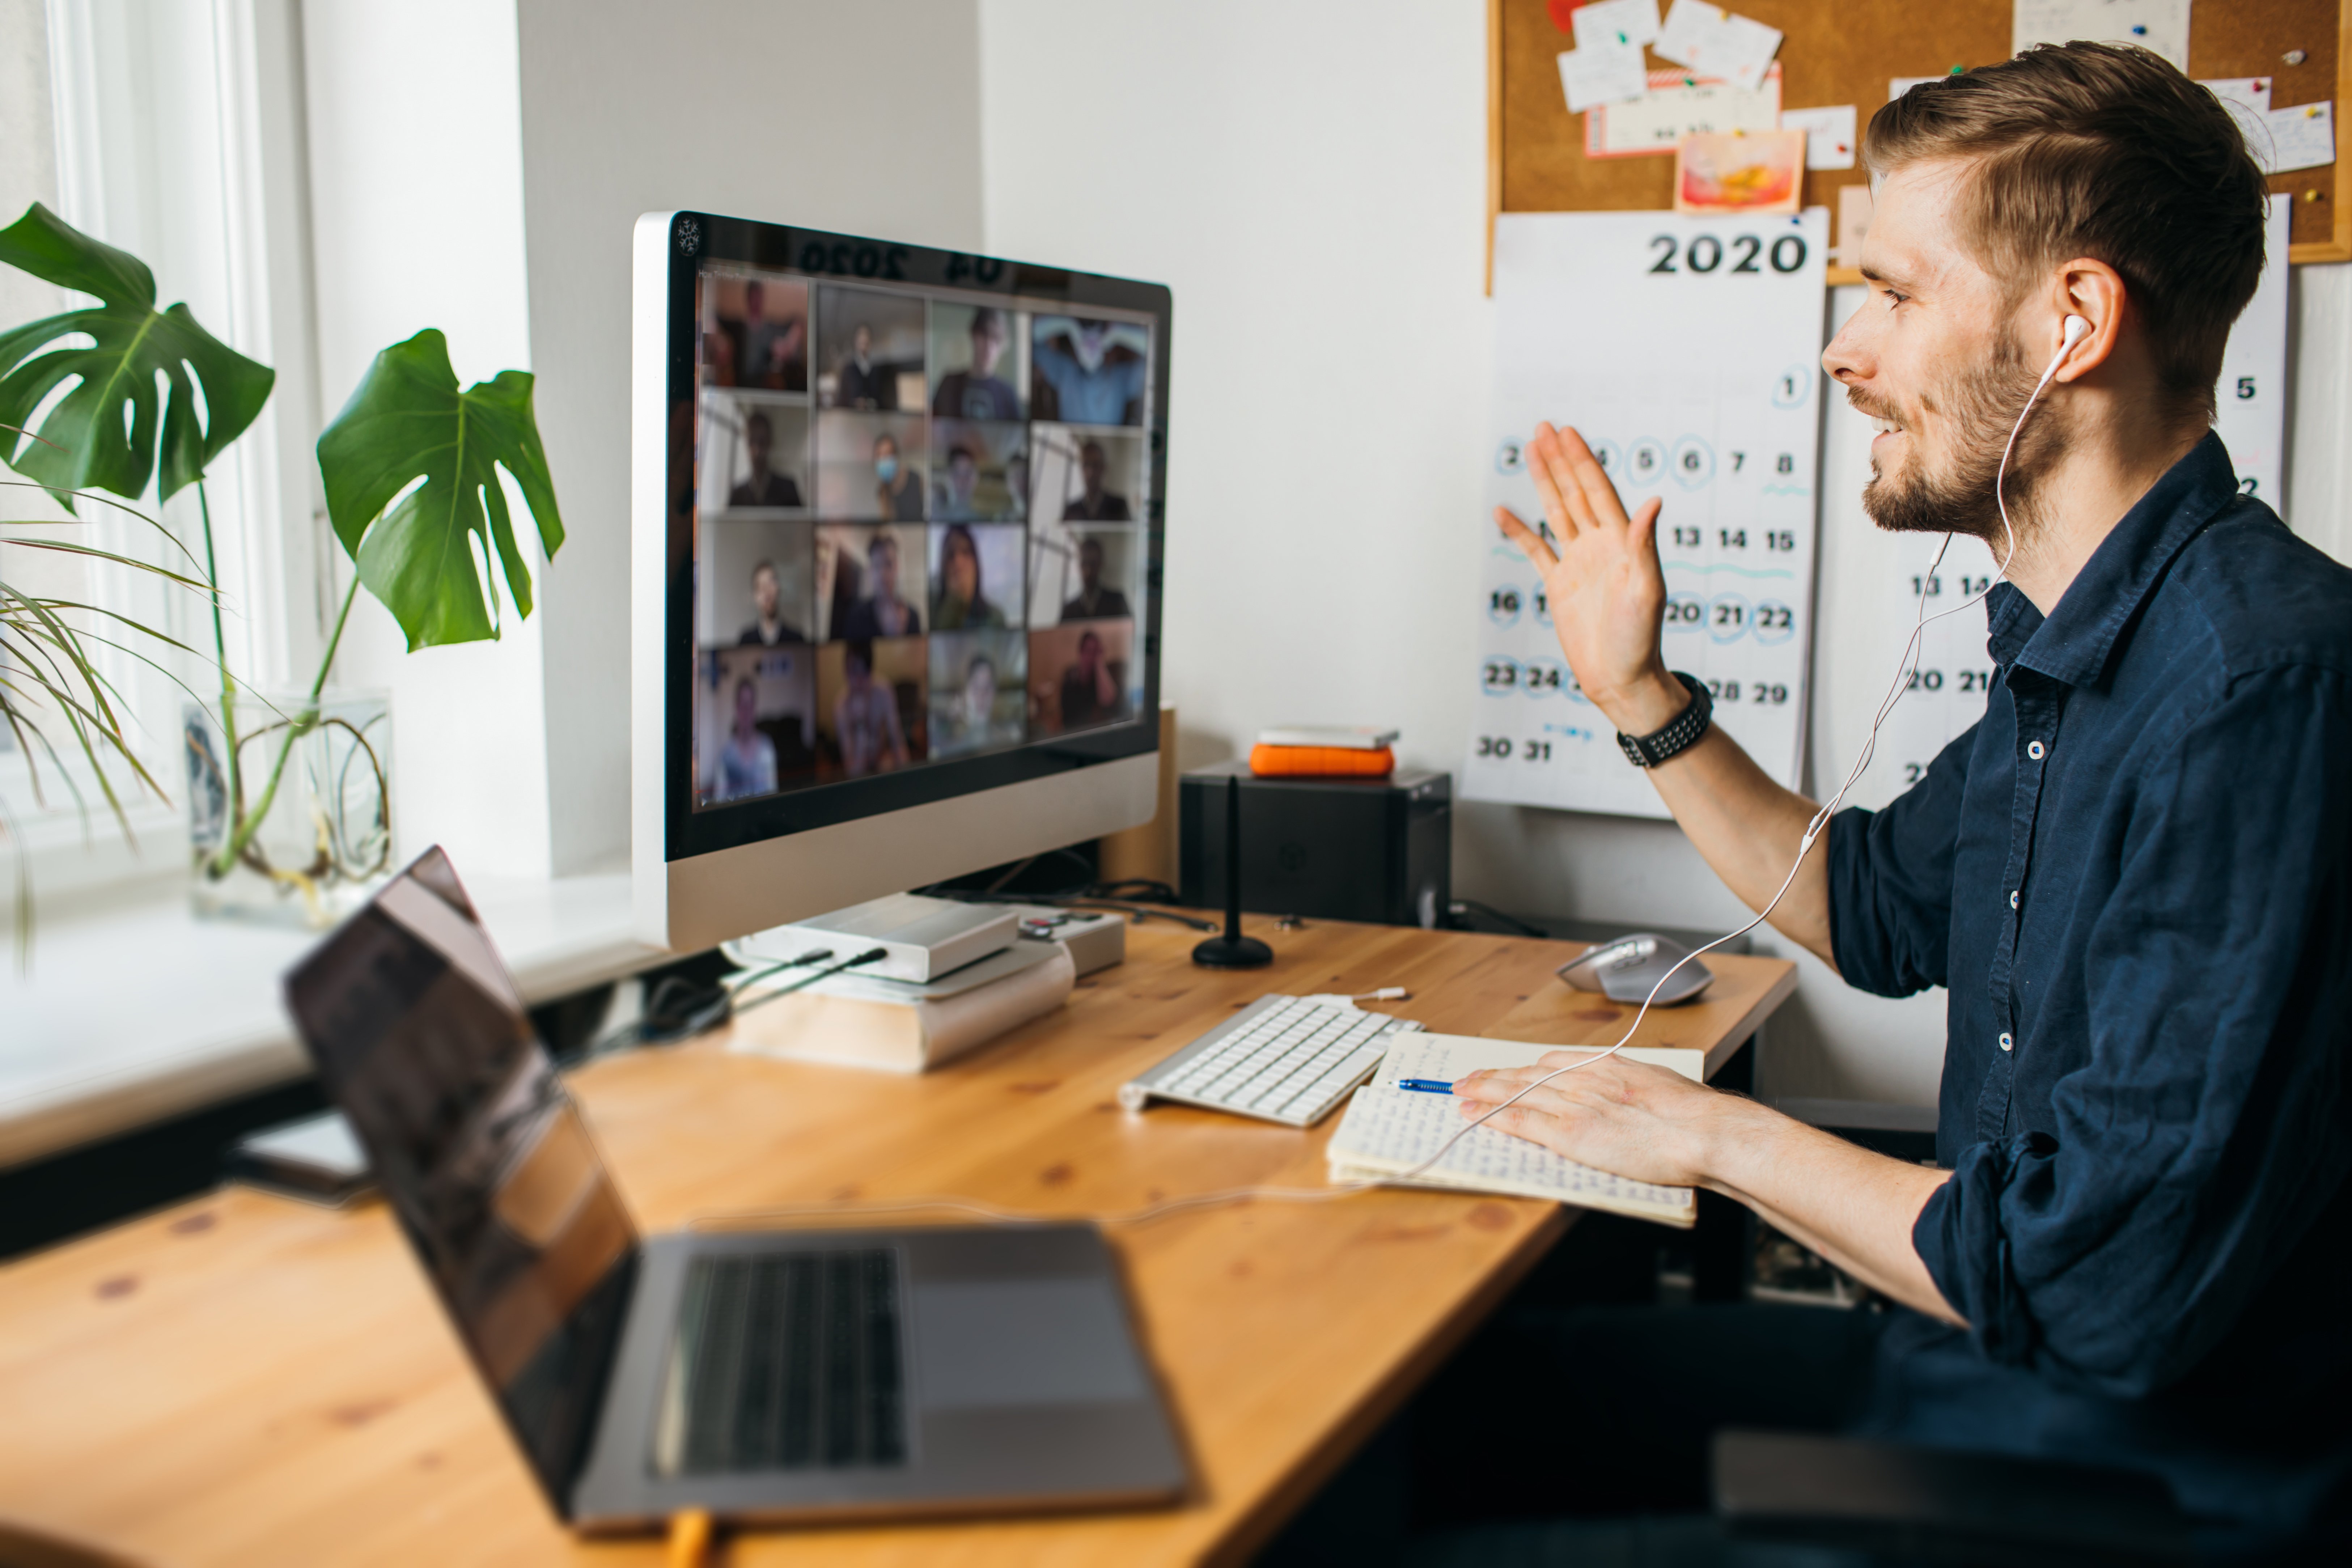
{"points": [[2132, 877]]}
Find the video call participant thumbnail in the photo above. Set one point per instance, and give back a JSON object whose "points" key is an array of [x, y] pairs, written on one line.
{"points": [[960, 578], [1079, 674], [761, 337], [1087, 372], [767, 627], [979, 692], [977, 391], [752, 722], [1093, 503], [1094, 601], [899, 487], [981, 470], [870, 705], [869, 344], [764, 486], [877, 604]]}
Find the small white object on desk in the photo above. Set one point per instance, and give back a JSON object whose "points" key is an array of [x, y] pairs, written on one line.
{"points": [[854, 1020]]}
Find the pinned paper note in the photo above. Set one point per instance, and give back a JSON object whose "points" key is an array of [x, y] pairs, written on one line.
{"points": [[2161, 25], [1739, 173], [1855, 202], [1617, 22], [1720, 43], [1601, 73], [1829, 134], [2302, 136], [1680, 104]]}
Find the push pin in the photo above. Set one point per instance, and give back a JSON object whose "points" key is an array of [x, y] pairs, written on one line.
{"points": [[2294, 57]]}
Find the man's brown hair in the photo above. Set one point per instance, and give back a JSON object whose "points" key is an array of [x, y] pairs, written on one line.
{"points": [[2103, 151]]}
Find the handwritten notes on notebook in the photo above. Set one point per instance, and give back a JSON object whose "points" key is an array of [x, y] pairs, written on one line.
{"points": [[1388, 1131]]}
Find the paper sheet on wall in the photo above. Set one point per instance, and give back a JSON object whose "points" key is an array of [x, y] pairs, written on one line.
{"points": [[2161, 25], [1954, 677], [1687, 351]]}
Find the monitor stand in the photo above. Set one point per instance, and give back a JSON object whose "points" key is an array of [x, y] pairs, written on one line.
{"points": [[1232, 950]]}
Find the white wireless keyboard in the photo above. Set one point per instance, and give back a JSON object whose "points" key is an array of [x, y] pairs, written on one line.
{"points": [[1285, 1059]]}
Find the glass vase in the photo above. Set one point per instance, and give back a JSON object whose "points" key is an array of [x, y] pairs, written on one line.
{"points": [[296, 829]]}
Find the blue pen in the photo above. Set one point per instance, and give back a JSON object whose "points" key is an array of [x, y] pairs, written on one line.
{"points": [[1426, 1085]]}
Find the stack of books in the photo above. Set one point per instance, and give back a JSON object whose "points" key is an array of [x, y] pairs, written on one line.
{"points": [[1323, 751]]}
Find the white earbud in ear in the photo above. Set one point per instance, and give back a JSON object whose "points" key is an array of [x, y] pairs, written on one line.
{"points": [[2075, 329]]}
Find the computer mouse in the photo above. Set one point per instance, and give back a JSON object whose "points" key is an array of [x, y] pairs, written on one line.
{"points": [[1624, 969]]}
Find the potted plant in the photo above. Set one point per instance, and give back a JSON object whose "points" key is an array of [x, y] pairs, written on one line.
{"points": [[290, 795]]}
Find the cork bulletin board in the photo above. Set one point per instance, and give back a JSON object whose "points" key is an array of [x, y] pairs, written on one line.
{"points": [[1843, 51]]}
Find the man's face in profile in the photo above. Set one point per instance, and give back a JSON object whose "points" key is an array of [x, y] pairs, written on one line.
{"points": [[766, 591], [1933, 356], [883, 557], [1090, 559]]}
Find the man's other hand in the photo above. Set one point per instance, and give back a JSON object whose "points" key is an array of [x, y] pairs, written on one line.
{"points": [[1642, 1122]]}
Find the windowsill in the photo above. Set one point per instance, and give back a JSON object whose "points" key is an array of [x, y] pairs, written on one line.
{"points": [[139, 1011]]}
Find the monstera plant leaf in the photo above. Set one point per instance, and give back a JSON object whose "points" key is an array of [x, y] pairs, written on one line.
{"points": [[409, 422], [103, 434]]}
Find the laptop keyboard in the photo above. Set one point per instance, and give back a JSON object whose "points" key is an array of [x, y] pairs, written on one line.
{"points": [[787, 1361]]}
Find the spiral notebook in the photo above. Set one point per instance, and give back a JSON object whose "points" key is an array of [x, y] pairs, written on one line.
{"points": [[1387, 1131]]}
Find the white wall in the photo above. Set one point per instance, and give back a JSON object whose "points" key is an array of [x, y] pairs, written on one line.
{"points": [[1314, 198], [860, 118], [415, 196]]}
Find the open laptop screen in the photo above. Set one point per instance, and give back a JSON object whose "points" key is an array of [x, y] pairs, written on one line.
{"points": [[421, 1040]]}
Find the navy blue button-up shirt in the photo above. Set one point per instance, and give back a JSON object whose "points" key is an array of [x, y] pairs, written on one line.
{"points": [[2134, 875]]}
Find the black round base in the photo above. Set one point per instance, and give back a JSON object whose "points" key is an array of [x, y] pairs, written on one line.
{"points": [[1233, 952]]}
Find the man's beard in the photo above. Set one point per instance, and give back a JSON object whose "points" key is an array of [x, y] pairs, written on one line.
{"points": [[1980, 407]]}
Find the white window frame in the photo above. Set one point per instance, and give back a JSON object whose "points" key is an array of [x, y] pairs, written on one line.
{"points": [[179, 134]]}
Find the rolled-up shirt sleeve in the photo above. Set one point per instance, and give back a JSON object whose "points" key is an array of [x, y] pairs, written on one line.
{"points": [[1891, 881], [2208, 1129]]}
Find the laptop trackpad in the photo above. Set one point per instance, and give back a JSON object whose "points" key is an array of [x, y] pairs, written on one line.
{"points": [[1022, 1342]]}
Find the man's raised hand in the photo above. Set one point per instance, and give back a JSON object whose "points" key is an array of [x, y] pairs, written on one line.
{"points": [[1607, 591]]}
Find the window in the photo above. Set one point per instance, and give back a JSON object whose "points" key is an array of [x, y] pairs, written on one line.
{"points": [[173, 132]]}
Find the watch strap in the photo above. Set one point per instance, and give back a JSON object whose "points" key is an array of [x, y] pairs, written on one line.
{"points": [[1679, 734]]}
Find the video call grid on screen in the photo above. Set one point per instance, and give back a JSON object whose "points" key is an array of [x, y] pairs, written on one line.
{"points": [[920, 525]]}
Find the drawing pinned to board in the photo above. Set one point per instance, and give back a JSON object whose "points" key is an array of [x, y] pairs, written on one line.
{"points": [[1739, 172]]}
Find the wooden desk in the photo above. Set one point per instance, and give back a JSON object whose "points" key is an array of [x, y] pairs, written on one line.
{"points": [[245, 1379]]}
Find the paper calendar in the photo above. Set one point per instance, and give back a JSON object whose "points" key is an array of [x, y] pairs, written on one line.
{"points": [[1687, 351]]}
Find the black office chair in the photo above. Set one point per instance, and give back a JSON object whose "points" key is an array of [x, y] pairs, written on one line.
{"points": [[1940, 1505]]}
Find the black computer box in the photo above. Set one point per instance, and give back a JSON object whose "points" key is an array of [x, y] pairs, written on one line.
{"points": [[1376, 850]]}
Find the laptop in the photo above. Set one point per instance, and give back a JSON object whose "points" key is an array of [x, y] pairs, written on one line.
{"points": [[765, 1376]]}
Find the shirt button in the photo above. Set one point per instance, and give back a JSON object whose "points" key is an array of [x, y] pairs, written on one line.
{"points": [[2012, 899], [2036, 750], [2005, 1041]]}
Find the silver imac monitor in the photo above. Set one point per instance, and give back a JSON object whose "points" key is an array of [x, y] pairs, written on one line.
{"points": [[895, 566]]}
